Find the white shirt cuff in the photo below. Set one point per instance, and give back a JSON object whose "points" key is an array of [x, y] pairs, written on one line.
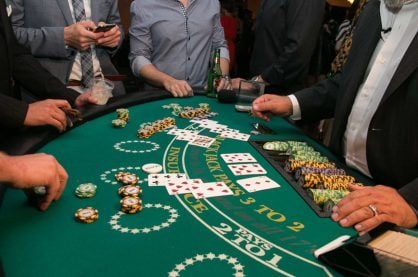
{"points": [[296, 115], [224, 53]]}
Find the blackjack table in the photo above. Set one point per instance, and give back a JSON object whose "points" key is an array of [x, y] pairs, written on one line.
{"points": [[271, 232]]}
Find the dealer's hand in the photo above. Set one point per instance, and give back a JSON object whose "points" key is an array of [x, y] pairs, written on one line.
{"points": [[47, 112], [267, 105], [110, 38], [367, 207], [28, 171], [178, 88]]}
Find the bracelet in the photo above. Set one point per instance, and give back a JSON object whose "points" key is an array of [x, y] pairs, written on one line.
{"points": [[226, 77]]}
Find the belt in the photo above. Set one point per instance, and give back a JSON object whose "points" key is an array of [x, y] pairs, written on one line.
{"points": [[115, 78]]}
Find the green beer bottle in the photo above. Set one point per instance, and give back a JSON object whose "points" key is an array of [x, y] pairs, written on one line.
{"points": [[214, 74]]}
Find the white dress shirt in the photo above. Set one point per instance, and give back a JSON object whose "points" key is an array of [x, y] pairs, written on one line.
{"points": [[76, 70]]}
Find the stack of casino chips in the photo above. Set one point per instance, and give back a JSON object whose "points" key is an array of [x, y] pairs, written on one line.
{"points": [[123, 118], [147, 130], [327, 198], [303, 170], [87, 215], [86, 190], [130, 192], [190, 112], [292, 165], [326, 181]]}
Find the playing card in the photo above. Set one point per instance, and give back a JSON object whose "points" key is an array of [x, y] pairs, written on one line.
{"points": [[254, 184], [206, 190], [235, 135], [177, 132], [220, 129], [202, 141], [182, 186], [163, 179], [207, 123], [247, 169], [238, 158], [187, 137]]}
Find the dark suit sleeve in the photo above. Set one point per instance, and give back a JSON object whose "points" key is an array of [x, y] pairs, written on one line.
{"points": [[319, 101], [29, 73], [410, 193], [303, 22], [12, 111]]}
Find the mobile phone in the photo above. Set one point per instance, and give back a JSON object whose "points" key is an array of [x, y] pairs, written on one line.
{"points": [[243, 108], [104, 28]]}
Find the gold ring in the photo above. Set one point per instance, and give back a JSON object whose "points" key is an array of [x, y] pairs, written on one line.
{"points": [[374, 210]]}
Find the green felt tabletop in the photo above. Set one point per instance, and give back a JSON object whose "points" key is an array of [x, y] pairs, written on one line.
{"points": [[267, 233]]}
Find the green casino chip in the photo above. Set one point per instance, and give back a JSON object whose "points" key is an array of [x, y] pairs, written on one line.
{"points": [[86, 190]]}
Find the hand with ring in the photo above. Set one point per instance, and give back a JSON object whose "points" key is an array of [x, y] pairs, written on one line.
{"points": [[367, 207]]}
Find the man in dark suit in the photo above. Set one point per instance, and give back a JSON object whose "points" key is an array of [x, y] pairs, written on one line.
{"points": [[19, 68], [285, 36], [375, 103]]}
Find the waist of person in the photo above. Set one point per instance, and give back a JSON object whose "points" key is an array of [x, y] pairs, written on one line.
{"points": [[114, 78]]}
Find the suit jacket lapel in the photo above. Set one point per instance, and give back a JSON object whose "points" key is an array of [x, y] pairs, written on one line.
{"points": [[95, 11], [65, 9], [408, 64]]}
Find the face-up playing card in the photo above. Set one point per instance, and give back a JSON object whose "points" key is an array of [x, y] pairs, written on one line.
{"points": [[220, 129], [187, 137], [178, 132], [254, 184], [206, 190], [183, 186], [247, 169], [238, 158], [202, 141], [235, 135], [161, 179]]}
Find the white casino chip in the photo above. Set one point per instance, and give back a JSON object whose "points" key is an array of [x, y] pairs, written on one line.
{"points": [[152, 168]]}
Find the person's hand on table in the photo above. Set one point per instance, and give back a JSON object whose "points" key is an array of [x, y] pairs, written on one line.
{"points": [[235, 82], [85, 99], [47, 112], [110, 38], [268, 105], [178, 88], [28, 171], [80, 35], [224, 83], [367, 207]]}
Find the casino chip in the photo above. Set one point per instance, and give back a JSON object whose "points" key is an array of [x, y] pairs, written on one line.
{"points": [[131, 205], [133, 191], [87, 215], [86, 190], [127, 178], [152, 168]]}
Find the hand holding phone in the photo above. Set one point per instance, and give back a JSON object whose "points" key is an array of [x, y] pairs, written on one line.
{"points": [[104, 28]]}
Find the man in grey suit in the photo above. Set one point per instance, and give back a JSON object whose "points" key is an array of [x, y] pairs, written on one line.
{"points": [[56, 36]]}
